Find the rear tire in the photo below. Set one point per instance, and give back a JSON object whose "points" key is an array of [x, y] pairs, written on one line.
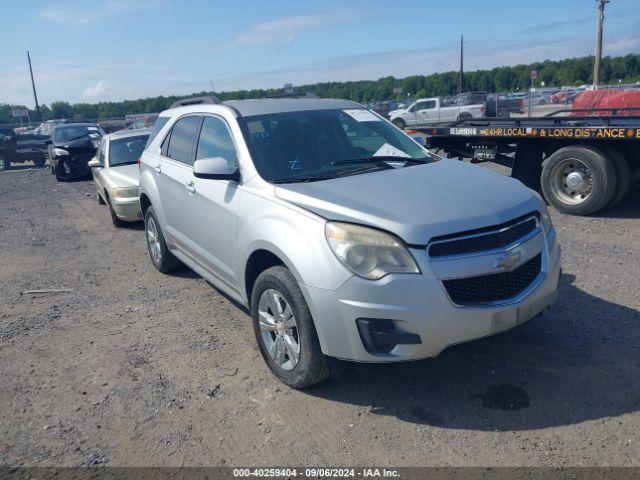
{"points": [[578, 180], [5, 164], [310, 366], [623, 175], [463, 116], [161, 257]]}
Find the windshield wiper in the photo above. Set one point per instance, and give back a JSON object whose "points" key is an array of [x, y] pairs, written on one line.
{"points": [[378, 159], [77, 138], [309, 178]]}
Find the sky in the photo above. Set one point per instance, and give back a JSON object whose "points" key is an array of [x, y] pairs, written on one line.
{"points": [[91, 51]]}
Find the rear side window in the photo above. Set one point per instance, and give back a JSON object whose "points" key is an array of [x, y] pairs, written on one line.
{"points": [[183, 135], [215, 141], [160, 122]]}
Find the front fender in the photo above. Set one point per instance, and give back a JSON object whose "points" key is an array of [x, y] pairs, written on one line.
{"points": [[296, 237]]}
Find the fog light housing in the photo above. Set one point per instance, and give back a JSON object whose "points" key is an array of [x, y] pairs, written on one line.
{"points": [[381, 335]]}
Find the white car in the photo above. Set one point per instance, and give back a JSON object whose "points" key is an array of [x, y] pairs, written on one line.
{"points": [[116, 174], [427, 111]]}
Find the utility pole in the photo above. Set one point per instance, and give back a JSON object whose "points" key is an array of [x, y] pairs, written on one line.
{"points": [[461, 80], [33, 85], [596, 64]]}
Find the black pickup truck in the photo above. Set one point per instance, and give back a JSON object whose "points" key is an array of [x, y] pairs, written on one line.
{"points": [[496, 105], [22, 147], [582, 163]]}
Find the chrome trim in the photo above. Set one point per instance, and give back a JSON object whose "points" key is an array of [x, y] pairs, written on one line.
{"points": [[516, 243], [537, 281]]}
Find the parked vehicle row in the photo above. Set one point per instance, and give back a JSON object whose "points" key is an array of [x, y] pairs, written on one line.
{"points": [[340, 234]]}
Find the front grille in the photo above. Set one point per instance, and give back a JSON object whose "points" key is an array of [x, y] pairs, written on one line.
{"points": [[493, 238], [495, 287]]}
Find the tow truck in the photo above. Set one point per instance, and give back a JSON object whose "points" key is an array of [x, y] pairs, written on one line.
{"points": [[581, 160]]}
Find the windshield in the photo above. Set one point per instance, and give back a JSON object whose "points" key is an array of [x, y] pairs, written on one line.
{"points": [[126, 151], [326, 144], [67, 134]]}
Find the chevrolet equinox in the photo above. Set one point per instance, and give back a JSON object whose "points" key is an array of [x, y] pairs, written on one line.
{"points": [[340, 233]]}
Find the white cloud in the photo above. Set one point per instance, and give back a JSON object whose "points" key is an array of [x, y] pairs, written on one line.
{"points": [[284, 30], [96, 91], [72, 14]]}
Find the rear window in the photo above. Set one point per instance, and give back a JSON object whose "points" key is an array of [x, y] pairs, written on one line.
{"points": [[160, 122]]}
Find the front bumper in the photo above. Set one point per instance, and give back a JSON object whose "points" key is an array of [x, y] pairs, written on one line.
{"points": [[127, 209], [74, 166], [418, 304]]}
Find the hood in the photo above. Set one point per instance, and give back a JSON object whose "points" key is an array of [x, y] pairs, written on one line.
{"points": [[417, 203], [396, 112], [125, 175]]}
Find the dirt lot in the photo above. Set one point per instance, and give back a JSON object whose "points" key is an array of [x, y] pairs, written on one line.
{"points": [[133, 367]]}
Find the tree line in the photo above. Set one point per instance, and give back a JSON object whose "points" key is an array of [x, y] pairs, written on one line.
{"points": [[568, 72]]}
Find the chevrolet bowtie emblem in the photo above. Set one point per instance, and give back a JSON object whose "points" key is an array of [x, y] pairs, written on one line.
{"points": [[508, 260]]}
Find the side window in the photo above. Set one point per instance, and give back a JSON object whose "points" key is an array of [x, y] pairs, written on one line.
{"points": [[426, 105], [160, 122], [215, 141], [181, 140]]}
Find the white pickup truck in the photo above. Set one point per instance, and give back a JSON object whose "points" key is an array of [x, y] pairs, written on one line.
{"points": [[434, 110]]}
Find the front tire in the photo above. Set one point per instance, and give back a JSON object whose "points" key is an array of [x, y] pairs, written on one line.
{"points": [[114, 218], [5, 164], [161, 257], [285, 331], [400, 123]]}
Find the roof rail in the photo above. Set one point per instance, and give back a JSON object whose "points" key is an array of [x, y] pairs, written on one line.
{"points": [[211, 100], [294, 95]]}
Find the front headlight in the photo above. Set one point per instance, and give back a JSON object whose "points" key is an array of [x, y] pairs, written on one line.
{"points": [[545, 218], [124, 192], [368, 252], [60, 152]]}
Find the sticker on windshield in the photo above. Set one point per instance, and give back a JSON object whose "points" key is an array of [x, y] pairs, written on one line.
{"points": [[361, 115], [390, 151]]}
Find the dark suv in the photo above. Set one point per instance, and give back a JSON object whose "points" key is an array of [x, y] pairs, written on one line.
{"points": [[71, 147]]}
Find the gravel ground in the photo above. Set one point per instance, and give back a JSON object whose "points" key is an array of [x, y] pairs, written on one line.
{"points": [[132, 367]]}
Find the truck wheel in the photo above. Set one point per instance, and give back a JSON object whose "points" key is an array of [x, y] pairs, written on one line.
{"points": [[463, 115], [5, 164], [400, 123], [161, 257], [503, 114], [285, 331], [623, 175], [578, 180]]}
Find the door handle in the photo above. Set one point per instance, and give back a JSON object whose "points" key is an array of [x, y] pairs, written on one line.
{"points": [[191, 187], [157, 168]]}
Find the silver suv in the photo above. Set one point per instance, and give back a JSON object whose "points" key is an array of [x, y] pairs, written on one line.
{"points": [[340, 233]]}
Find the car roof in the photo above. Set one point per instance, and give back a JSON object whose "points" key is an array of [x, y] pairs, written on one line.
{"points": [[126, 133], [264, 106]]}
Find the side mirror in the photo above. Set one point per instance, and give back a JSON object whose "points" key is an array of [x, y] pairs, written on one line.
{"points": [[419, 139], [93, 163], [215, 168]]}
